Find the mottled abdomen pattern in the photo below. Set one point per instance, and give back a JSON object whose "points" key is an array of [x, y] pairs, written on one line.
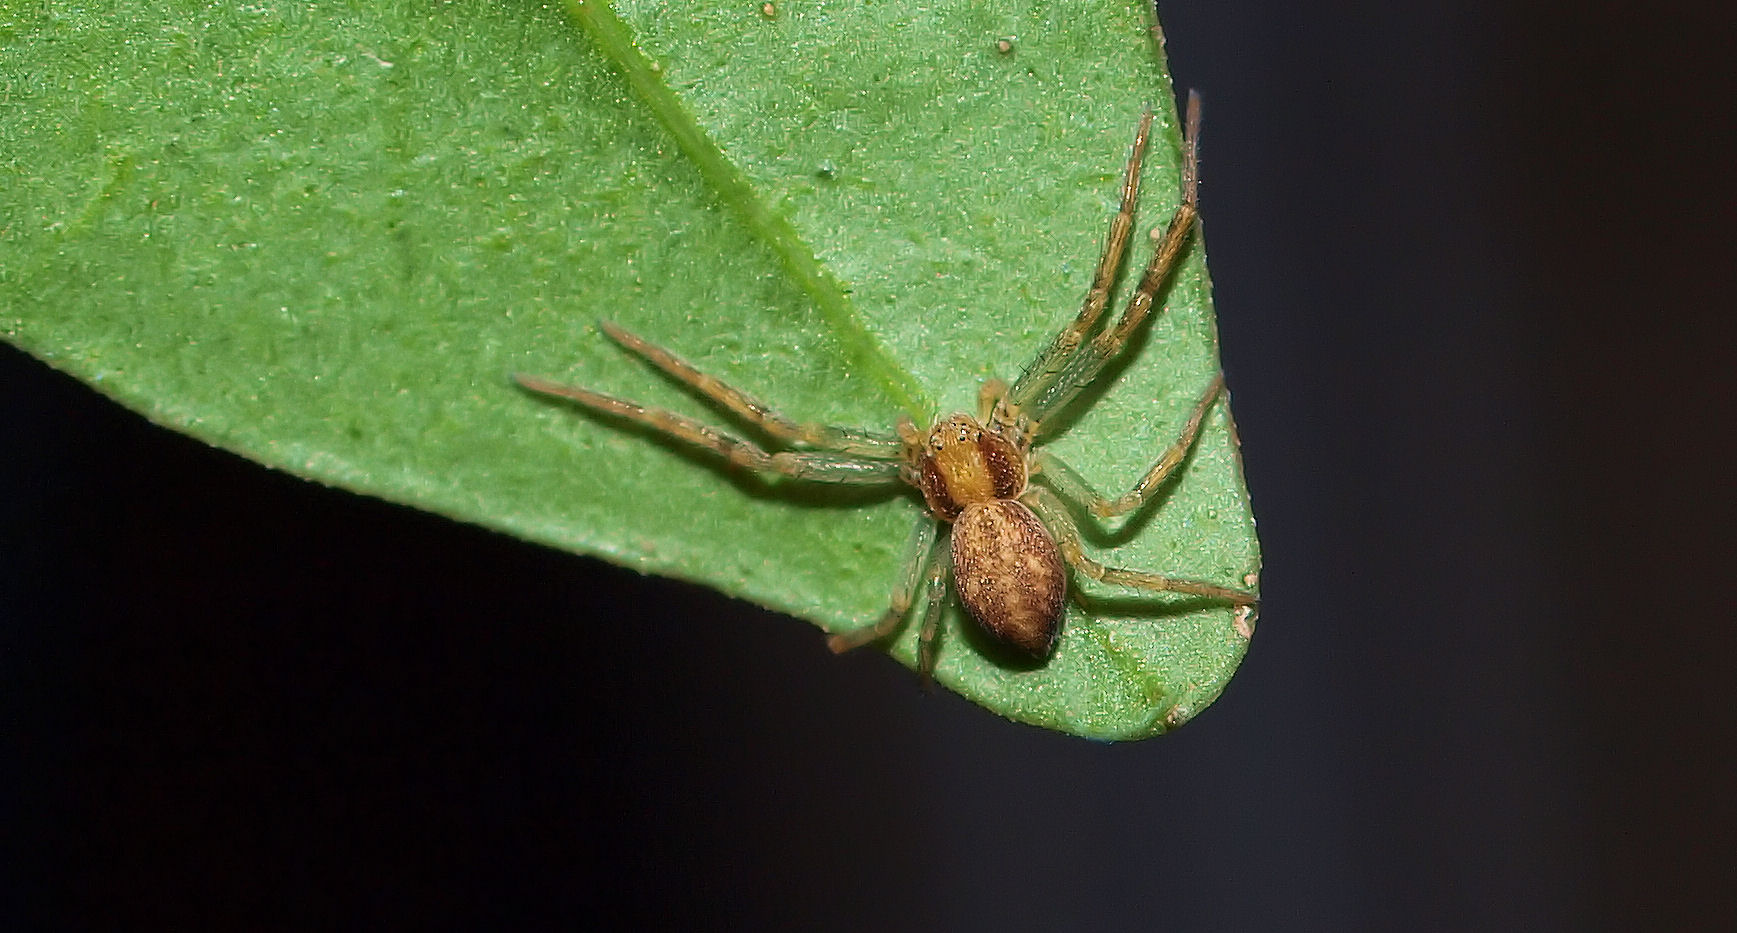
{"points": [[1009, 574]]}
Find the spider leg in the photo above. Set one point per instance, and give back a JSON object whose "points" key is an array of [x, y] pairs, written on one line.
{"points": [[1041, 372], [940, 571], [1072, 485], [1079, 371], [813, 467], [1067, 537], [751, 409], [920, 548]]}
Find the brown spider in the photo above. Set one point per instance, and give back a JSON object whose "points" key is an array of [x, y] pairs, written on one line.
{"points": [[1011, 540]]}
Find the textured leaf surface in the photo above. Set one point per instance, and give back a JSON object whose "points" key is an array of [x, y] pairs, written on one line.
{"points": [[322, 234]]}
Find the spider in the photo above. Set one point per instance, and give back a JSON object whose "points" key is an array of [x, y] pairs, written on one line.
{"points": [[1011, 540]]}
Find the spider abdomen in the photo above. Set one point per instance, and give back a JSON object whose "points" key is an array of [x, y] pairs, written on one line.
{"points": [[1009, 574]]}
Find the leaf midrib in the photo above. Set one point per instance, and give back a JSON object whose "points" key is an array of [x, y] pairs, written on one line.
{"points": [[615, 40]]}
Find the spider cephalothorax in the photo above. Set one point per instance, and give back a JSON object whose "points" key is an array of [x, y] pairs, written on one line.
{"points": [[959, 463], [1010, 539]]}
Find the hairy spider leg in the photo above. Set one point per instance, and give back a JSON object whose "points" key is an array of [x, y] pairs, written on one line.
{"points": [[1084, 366], [1067, 537], [1067, 481], [922, 547], [752, 410], [812, 467], [1041, 372]]}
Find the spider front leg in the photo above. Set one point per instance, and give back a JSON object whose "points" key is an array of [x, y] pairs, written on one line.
{"points": [[1083, 367], [1072, 485], [812, 467], [1039, 374], [1067, 538]]}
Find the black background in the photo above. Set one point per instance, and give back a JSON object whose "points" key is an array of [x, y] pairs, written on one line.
{"points": [[1474, 272]]}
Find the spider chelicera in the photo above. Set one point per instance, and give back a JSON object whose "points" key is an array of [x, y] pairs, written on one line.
{"points": [[1011, 540]]}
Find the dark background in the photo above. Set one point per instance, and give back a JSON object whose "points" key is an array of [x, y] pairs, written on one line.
{"points": [[1475, 281]]}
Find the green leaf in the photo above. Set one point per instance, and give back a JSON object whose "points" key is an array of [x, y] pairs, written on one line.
{"points": [[323, 234]]}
